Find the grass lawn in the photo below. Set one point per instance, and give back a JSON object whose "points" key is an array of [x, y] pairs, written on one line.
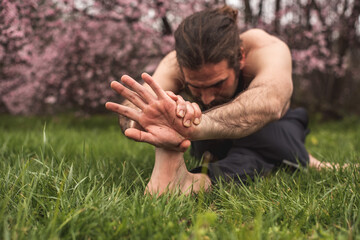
{"points": [[71, 178]]}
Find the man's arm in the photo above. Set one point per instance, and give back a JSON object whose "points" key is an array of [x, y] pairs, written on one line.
{"points": [[267, 97]]}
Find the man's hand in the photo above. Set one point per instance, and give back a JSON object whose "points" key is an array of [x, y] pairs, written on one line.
{"points": [[190, 112], [157, 115], [126, 123]]}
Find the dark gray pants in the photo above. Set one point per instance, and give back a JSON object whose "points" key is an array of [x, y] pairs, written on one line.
{"points": [[278, 143]]}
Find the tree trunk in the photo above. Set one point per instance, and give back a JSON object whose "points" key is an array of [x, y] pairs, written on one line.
{"points": [[277, 16], [260, 7], [248, 12], [307, 14], [167, 30], [346, 39], [166, 27]]}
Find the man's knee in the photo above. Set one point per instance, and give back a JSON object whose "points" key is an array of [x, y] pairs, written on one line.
{"points": [[278, 141]]}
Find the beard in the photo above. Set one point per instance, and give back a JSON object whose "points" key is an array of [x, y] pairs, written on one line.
{"points": [[223, 100], [216, 102]]}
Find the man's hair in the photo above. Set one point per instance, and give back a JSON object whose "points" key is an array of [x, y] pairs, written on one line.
{"points": [[209, 36]]}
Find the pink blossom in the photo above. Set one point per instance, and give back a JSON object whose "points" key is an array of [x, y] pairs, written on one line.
{"points": [[67, 55], [50, 100], [2, 53]]}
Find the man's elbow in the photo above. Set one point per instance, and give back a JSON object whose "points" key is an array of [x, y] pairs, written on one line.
{"points": [[278, 109], [281, 102], [276, 115]]}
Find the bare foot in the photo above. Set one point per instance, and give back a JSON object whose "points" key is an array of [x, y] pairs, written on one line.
{"points": [[192, 183], [170, 174], [313, 162]]}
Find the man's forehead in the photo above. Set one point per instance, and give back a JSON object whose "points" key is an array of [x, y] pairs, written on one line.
{"points": [[205, 83], [208, 75]]}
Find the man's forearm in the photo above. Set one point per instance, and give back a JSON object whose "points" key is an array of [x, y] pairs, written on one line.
{"points": [[241, 117]]}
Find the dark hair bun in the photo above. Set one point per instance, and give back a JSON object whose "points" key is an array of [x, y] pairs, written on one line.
{"points": [[232, 13]]}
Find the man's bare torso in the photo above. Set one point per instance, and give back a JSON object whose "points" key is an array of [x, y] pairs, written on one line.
{"points": [[171, 78]]}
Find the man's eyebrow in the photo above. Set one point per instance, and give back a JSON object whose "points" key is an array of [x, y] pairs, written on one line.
{"points": [[213, 85]]}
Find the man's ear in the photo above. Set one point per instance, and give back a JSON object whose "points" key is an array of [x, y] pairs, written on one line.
{"points": [[242, 61]]}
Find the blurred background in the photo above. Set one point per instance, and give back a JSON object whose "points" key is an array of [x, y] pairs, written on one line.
{"points": [[59, 56]]}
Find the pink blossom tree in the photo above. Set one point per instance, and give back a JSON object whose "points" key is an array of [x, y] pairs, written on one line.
{"points": [[324, 40], [61, 55], [325, 43]]}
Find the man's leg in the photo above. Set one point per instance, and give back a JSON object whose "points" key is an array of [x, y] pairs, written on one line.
{"points": [[240, 164], [281, 141], [218, 148], [277, 143]]}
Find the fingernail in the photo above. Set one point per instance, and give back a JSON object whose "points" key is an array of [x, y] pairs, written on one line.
{"points": [[197, 121], [187, 123], [181, 113]]}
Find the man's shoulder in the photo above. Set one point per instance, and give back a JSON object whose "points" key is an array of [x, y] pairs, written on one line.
{"points": [[255, 32], [257, 38], [264, 53], [170, 59], [168, 73]]}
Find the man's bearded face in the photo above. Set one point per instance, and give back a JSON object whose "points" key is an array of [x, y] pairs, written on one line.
{"points": [[213, 84]]}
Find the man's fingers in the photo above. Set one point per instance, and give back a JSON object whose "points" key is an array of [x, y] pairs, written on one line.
{"points": [[190, 112], [128, 94], [156, 87], [184, 145], [180, 107], [172, 95], [140, 136], [123, 110], [188, 118], [197, 114], [138, 88]]}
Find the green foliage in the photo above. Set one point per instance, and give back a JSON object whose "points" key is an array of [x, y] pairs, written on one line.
{"points": [[71, 178]]}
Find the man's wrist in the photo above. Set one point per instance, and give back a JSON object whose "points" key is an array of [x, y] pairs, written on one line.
{"points": [[200, 131]]}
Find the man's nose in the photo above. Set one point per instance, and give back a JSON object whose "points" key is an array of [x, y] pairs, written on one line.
{"points": [[207, 97]]}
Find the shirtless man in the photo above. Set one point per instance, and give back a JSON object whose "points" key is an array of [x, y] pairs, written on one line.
{"points": [[243, 86]]}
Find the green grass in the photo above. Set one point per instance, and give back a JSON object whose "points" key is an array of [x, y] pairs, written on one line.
{"points": [[71, 178]]}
